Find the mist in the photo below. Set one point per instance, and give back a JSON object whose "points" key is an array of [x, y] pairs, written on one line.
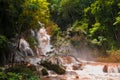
{"points": [[84, 53]]}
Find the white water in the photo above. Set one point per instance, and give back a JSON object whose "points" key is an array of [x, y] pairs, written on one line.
{"points": [[27, 54], [44, 41], [94, 71], [89, 71], [25, 48]]}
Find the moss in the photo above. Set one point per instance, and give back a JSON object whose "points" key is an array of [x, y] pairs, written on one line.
{"points": [[44, 72], [55, 67]]}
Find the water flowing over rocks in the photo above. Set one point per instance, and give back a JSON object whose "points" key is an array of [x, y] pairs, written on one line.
{"points": [[88, 70], [25, 48], [63, 67], [44, 41]]}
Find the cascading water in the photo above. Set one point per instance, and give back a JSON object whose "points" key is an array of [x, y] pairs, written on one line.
{"points": [[89, 70], [26, 54], [25, 48], [75, 70], [44, 41]]}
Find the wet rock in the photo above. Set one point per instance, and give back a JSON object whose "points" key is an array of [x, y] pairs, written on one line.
{"points": [[77, 77], [68, 60], [105, 68], [55, 67], [44, 72], [77, 66]]}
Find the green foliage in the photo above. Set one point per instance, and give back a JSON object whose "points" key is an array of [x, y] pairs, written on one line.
{"points": [[79, 26], [65, 12], [17, 76], [3, 76], [32, 41], [20, 72], [34, 11], [3, 42], [3, 49], [100, 18], [62, 43], [103, 12], [118, 17], [95, 28], [13, 76], [97, 19], [18, 16], [8, 17], [52, 29], [117, 20], [99, 41]]}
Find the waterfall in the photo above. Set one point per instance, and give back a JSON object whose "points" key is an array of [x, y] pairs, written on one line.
{"points": [[113, 69], [44, 41], [76, 69], [25, 48], [26, 54]]}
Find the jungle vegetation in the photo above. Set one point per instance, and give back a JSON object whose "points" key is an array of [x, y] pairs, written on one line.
{"points": [[97, 22]]}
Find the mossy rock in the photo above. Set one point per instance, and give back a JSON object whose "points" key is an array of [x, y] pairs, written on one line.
{"points": [[44, 72], [55, 67]]}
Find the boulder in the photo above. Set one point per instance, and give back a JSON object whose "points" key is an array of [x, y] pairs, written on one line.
{"points": [[105, 68], [77, 66], [55, 67], [44, 72]]}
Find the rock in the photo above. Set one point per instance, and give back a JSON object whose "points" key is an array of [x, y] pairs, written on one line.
{"points": [[77, 77], [77, 66], [105, 68], [44, 72], [55, 67], [68, 59]]}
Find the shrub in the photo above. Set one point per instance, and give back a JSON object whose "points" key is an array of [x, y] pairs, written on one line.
{"points": [[20, 72]]}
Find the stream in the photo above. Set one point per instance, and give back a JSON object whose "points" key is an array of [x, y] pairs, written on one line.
{"points": [[86, 70], [76, 69], [83, 70]]}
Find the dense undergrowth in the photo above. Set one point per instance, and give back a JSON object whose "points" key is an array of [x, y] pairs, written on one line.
{"points": [[20, 72]]}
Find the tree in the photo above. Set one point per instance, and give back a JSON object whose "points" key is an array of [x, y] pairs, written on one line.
{"points": [[33, 11], [21, 15], [103, 15], [18, 17], [66, 12]]}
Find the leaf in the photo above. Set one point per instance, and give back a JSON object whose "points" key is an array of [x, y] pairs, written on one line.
{"points": [[95, 27]]}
